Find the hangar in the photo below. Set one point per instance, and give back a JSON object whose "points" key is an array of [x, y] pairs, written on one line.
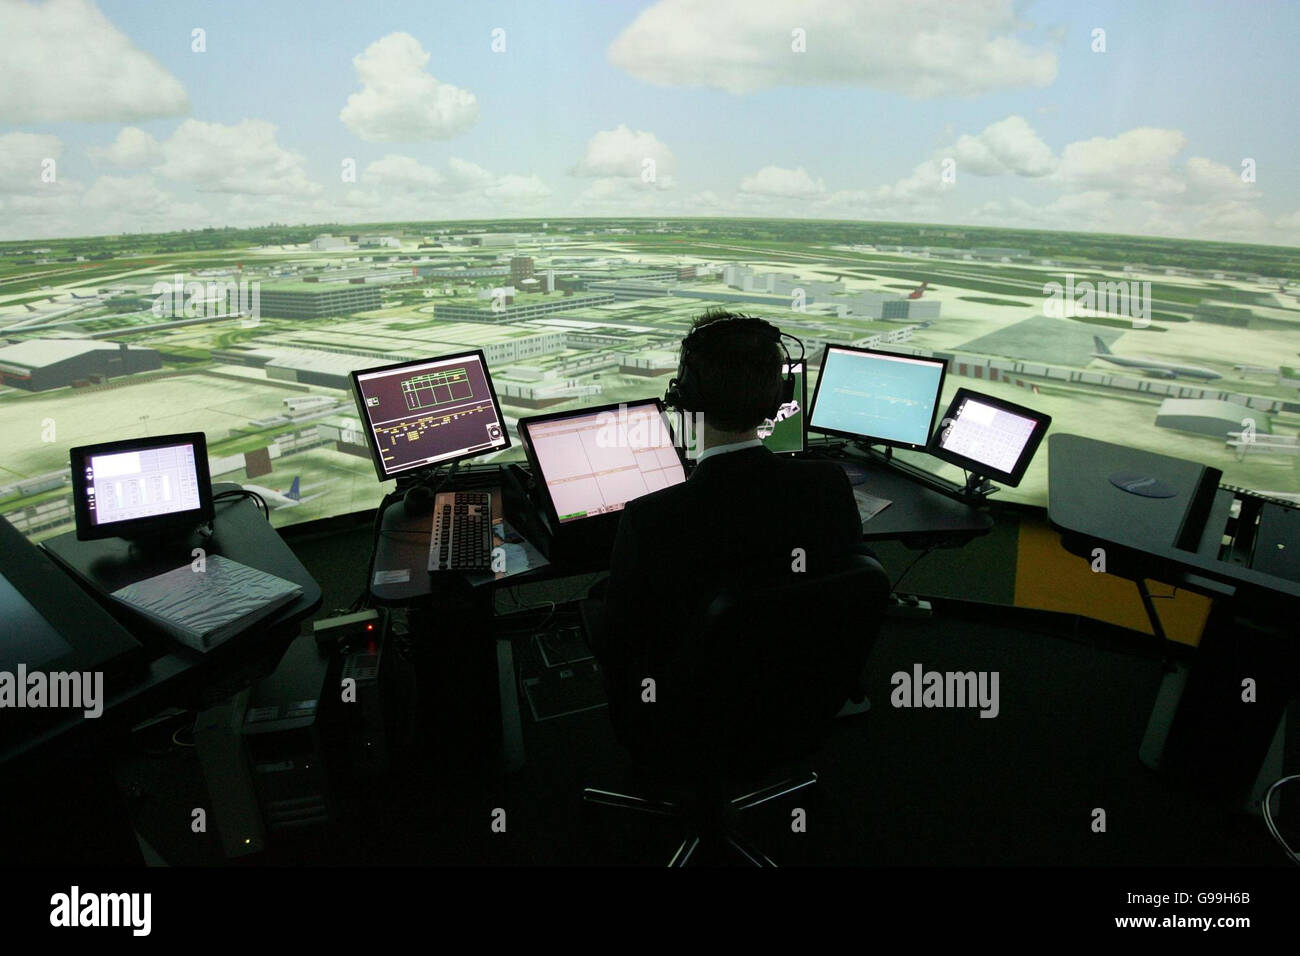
{"points": [[40, 364]]}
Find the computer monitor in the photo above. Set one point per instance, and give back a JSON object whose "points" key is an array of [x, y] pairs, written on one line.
{"points": [[429, 412], [592, 462], [989, 436], [881, 398], [141, 487]]}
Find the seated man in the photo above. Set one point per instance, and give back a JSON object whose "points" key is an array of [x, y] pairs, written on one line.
{"points": [[745, 518]]}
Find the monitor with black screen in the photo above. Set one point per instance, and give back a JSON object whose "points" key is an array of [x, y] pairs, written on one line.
{"points": [[141, 487], [430, 412], [989, 436], [594, 461], [880, 398]]}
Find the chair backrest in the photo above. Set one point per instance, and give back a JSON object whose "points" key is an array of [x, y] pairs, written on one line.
{"points": [[772, 667]]}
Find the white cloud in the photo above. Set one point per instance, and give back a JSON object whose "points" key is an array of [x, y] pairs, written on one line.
{"points": [[63, 60], [403, 179], [462, 174], [514, 188], [1289, 226], [244, 158], [133, 147], [1007, 146], [921, 48], [786, 183], [140, 198], [1136, 162], [924, 184], [403, 174], [399, 101], [1209, 181], [634, 155], [22, 159], [619, 196]]}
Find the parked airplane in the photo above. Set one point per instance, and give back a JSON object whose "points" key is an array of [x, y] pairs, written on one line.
{"points": [[281, 498], [919, 290], [1151, 366]]}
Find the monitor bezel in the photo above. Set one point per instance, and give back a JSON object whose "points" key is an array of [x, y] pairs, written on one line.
{"points": [[869, 439], [377, 460], [526, 439], [1042, 422], [154, 525]]}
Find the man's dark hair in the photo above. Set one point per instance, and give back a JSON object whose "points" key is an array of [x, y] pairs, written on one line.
{"points": [[735, 370]]}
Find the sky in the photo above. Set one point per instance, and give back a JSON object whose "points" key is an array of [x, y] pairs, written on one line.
{"points": [[1153, 118]]}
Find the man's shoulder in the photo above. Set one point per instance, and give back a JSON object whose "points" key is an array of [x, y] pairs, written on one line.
{"points": [[654, 502], [810, 470]]}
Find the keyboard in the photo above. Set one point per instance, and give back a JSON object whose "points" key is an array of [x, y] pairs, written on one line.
{"points": [[462, 532]]}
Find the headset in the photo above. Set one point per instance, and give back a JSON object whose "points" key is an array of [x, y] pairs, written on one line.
{"points": [[684, 392]]}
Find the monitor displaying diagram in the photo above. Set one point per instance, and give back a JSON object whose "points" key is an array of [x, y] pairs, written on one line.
{"points": [[429, 412]]}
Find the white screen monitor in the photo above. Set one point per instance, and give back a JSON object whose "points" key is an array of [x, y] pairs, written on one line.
{"points": [[594, 461], [989, 436], [878, 397], [141, 486]]}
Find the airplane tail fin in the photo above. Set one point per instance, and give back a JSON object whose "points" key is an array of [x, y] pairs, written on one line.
{"points": [[294, 493], [1101, 346]]}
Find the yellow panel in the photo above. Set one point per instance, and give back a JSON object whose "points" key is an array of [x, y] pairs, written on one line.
{"points": [[1050, 578]]}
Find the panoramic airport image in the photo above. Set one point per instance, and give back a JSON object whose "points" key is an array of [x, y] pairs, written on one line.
{"points": [[1048, 244], [1182, 340]]}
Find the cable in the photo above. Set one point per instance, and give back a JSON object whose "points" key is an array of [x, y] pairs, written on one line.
{"points": [[911, 564], [1268, 819], [245, 493]]}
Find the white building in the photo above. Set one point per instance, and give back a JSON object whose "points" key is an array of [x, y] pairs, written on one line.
{"points": [[329, 243]]}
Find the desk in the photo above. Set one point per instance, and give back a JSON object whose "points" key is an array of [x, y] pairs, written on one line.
{"points": [[1200, 726], [239, 533], [918, 515], [67, 765]]}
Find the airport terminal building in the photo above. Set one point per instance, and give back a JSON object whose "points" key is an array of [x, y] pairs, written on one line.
{"points": [[40, 364], [315, 300]]}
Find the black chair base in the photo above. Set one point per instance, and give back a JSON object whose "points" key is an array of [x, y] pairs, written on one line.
{"points": [[706, 822]]}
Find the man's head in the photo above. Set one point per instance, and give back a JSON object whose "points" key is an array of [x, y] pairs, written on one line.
{"points": [[734, 370]]}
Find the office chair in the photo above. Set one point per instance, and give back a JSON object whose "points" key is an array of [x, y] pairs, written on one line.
{"points": [[755, 692]]}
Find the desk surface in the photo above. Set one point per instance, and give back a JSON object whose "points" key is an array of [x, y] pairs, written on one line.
{"points": [[917, 513], [1090, 511], [917, 516], [240, 533]]}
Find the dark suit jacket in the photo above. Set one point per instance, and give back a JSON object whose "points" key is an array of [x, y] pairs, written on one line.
{"points": [[743, 519]]}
